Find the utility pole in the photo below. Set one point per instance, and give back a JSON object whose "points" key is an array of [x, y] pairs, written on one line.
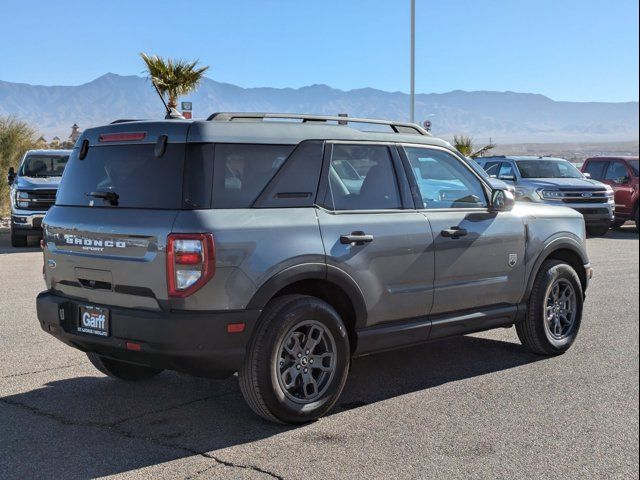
{"points": [[412, 95]]}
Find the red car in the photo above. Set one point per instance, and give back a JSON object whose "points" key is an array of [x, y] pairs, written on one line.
{"points": [[621, 173]]}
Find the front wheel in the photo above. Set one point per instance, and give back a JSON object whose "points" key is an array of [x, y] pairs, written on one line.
{"points": [[122, 370], [297, 361], [554, 311], [18, 240], [599, 231]]}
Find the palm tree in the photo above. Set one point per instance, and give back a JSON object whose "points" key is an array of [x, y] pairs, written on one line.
{"points": [[464, 144], [173, 78]]}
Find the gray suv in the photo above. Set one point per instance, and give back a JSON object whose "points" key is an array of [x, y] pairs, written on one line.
{"points": [[282, 246], [556, 181]]}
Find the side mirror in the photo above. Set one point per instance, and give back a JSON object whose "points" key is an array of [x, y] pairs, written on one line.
{"points": [[586, 174], [623, 180], [508, 178], [502, 201], [11, 176]]}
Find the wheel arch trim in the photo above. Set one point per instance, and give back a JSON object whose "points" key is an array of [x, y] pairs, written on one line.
{"points": [[312, 271]]}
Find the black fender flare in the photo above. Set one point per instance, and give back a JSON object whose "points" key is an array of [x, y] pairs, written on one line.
{"points": [[552, 245], [312, 271]]}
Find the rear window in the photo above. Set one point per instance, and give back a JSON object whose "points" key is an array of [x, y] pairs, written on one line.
{"points": [[43, 165], [132, 172], [242, 171]]}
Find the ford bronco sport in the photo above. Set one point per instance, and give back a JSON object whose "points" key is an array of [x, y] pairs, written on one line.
{"points": [[282, 246]]}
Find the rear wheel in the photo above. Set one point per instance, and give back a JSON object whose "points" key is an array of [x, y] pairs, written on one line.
{"points": [[297, 361], [18, 240], [554, 311], [598, 231], [122, 370]]}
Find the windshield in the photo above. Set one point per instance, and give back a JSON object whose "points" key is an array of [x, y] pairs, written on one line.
{"points": [[43, 165], [548, 169], [634, 166]]}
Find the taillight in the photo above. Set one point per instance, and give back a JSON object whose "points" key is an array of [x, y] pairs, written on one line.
{"points": [[191, 262]]}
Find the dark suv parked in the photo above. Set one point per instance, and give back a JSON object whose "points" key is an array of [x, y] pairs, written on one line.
{"points": [[281, 246], [621, 174]]}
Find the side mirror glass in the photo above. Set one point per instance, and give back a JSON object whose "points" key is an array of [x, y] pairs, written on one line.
{"points": [[11, 176], [587, 175], [502, 200]]}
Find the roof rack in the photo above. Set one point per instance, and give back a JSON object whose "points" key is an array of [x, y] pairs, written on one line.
{"points": [[397, 127]]}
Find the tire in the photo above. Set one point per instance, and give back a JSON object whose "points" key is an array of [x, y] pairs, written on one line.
{"points": [[17, 240], [122, 370], [637, 220], [599, 231], [618, 223], [534, 331], [272, 378]]}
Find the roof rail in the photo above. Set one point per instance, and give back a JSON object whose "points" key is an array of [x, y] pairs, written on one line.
{"points": [[397, 127]]}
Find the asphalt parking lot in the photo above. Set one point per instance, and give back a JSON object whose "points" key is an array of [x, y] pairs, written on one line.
{"points": [[472, 407]]}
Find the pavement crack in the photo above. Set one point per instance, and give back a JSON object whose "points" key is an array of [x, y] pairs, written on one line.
{"points": [[114, 428], [43, 370]]}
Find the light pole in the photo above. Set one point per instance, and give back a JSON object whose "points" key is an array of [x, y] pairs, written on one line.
{"points": [[412, 95]]}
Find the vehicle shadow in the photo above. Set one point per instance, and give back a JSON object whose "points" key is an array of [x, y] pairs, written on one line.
{"points": [[5, 244], [626, 232], [176, 416]]}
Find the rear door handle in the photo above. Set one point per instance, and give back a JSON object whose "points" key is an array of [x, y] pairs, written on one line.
{"points": [[454, 232], [357, 237]]}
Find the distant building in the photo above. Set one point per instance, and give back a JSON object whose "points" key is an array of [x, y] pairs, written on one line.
{"points": [[57, 143], [75, 133]]}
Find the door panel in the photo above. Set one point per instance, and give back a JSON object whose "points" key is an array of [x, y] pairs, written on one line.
{"points": [[476, 270], [394, 270], [479, 254], [623, 192]]}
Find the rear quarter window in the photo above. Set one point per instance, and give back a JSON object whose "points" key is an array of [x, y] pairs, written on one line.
{"points": [[242, 171], [133, 172]]}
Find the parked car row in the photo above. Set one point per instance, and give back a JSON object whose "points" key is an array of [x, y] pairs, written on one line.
{"points": [[605, 191]]}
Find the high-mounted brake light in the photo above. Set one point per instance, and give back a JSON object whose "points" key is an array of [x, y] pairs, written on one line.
{"points": [[122, 137], [191, 262]]}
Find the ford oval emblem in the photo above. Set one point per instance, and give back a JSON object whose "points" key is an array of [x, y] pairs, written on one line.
{"points": [[51, 263], [587, 195]]}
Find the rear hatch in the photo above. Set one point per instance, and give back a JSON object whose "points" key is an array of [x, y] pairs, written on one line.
{"points": [[119, 196]]}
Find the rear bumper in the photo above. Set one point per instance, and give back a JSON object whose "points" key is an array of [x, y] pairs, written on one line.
{"points": [[190, 342]]}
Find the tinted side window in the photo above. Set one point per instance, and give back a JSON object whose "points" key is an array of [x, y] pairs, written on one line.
{"points": [[241, 172], [443, 180], [506, 170], [616, 171], [492, 168], [596, 169], [362, 177]]}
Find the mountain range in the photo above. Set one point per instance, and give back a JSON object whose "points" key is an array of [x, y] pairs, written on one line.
{"points": [[506, 117]]}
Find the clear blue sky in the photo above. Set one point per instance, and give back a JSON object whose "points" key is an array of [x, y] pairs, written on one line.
{"points": [[583, 50]]}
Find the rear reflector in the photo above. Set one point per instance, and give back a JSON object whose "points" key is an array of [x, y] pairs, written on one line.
{"points": [[133, 346], [122, 137], [235, 327]]}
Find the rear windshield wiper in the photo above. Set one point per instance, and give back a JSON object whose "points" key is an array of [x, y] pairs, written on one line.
{"points": [[111, 197]]}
